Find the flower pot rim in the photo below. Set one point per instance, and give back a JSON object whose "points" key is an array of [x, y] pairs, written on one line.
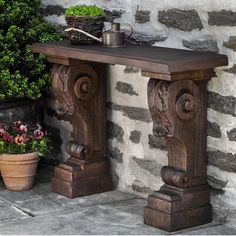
{"points": [[15, 157]]}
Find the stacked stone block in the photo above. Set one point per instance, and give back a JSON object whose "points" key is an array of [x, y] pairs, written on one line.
{"points": [[136, 155]]}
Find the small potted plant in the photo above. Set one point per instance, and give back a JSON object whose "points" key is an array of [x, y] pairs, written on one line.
{"points": [[89, 18], [20, 148]]}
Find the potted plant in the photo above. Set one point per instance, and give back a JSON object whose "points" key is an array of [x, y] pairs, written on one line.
{"points": [[20, 148], [23, 75], [89, 18]]}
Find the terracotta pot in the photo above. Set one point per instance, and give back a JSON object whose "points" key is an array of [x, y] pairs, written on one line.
{"points": [[18, 170]]}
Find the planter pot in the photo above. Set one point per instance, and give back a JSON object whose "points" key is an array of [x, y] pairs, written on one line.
{"points": [[92, 25], [18, 170]]}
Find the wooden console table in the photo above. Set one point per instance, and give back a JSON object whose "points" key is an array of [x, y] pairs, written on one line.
{"points": [[177, 98]]}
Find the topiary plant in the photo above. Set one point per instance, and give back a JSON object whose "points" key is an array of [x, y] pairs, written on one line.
{"points": [[84, 10], [22, 73]]}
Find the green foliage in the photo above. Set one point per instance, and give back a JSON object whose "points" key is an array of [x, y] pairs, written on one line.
{"points": [[83, 10], [22, 73]]}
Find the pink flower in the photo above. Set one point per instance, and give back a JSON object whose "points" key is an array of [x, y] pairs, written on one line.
{"points": [[38, 134]]}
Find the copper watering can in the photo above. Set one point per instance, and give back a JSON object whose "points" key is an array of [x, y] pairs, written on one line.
{"points": [[110, 38]]}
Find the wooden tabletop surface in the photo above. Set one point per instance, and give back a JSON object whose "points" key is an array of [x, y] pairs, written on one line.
{"points": [[148, 58]]}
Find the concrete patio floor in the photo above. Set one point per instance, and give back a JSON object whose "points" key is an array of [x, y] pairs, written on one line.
{"points": [[39, 211]]}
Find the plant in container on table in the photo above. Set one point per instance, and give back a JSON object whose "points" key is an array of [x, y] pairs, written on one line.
{"points": [[20, 148], [89, 18]]}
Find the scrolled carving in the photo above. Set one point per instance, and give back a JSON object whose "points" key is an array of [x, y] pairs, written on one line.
{"points": [[60, 75], [174, 177], [158, 105], [76, 150], [85, 87], [186, 106]]}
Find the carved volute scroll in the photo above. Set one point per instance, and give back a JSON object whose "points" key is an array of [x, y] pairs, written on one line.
{"points": [[60, 74], [79, 98], [179, 117]]}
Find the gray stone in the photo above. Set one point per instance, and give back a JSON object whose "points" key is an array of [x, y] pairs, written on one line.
{"points": [[224, 161], [54, 149], [142, 39], [232, 134], [223, 104], [125, 88], [131, 69], [216, 183], [139, 187], [152, 167], [157, 142], [142, 16], [53, 10], [231, 70], [184, 20], [116, 154], [8, 212], [210, 229], [134, 113], [222, 18], [213, 129], [135, 136], [112, 15], [208, 45], [231, 43], [117, 218], [115, 131]]}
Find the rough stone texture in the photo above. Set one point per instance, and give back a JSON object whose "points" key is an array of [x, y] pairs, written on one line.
{"points": [[208, 45], [112, 15], [232, 134], [224, 161], [125, 88], [216, 183], [53, 10], [231, 69], [157, 142], [231, 43], [142, 39], [134, 113], [224, 104], [213, 129], [184, 20], [150, 166], [222, 18], [131, 69], [142, 16], [116, 154], [115, 131], [222, 95], [138, 187], [135, 136], [55, 143]]}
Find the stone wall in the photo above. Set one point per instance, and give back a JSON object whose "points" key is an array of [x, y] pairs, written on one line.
{"points": [[136, 155]]}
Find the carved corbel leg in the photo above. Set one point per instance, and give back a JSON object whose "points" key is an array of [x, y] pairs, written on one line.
{"points": [[178, 110], [81, 92]]}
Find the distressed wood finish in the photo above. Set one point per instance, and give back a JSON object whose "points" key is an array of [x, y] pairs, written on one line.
{"points": [[177, 98], [81, 92]]}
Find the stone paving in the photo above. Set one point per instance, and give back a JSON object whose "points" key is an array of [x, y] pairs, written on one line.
{"points": [[39, 211]]}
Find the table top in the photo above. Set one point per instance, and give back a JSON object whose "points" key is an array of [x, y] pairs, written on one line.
{"points": [[148, 58]]}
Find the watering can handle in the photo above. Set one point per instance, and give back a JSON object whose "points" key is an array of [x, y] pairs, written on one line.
{"points": [[84, 32], [131, 30]]}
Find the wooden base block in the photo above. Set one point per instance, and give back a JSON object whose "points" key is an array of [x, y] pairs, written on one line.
{"points": [[75, 179], [174, 208]]}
